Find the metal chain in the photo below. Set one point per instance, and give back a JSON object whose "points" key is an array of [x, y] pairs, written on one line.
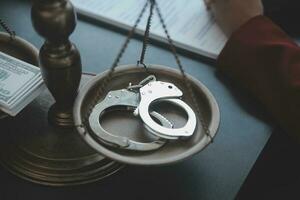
{"points": [[108, 78], [187, 83], [146, 35], [7, 29]]}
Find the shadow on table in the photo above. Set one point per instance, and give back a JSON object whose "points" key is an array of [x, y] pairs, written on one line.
{"points": [[276, 174], [130, 183]]}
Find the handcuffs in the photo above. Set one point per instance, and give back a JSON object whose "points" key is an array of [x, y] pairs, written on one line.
{"points": [[138, 98]]}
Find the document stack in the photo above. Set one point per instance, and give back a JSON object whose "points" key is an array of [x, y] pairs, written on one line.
{"points": [[20, 84]]}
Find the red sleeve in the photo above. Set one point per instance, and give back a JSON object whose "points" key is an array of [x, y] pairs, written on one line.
{"points": [[264, 60]]}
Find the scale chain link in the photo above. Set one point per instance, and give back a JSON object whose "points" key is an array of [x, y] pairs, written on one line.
{"points": [[146, 35], [186, 81], [7, 29], [108, 78]]}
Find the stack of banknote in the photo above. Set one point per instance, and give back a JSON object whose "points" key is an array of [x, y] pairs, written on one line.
{"points": [[20, 83]]}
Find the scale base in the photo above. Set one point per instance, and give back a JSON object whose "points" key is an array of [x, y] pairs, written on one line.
{"points": [[33, 150]]}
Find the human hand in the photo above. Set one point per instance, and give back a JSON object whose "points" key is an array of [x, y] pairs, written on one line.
{"points": [[231, 14]]}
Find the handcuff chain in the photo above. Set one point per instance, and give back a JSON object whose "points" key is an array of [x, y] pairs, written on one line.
{"points": [[142, 83], [186, 81], [7, 29]]}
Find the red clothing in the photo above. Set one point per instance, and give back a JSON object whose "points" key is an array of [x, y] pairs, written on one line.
{"points": [[264, 60]]}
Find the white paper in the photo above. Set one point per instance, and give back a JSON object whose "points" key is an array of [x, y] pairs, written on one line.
{"points": [[190, 25]]}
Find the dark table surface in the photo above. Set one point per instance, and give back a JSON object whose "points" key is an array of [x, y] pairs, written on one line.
{"points": [[216, 173]]}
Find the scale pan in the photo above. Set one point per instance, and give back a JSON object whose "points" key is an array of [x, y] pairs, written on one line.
{"points": [[125, 124], [20, 49]]}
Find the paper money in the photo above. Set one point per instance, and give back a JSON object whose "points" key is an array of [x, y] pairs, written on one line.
{"points": [[20, 83]]}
